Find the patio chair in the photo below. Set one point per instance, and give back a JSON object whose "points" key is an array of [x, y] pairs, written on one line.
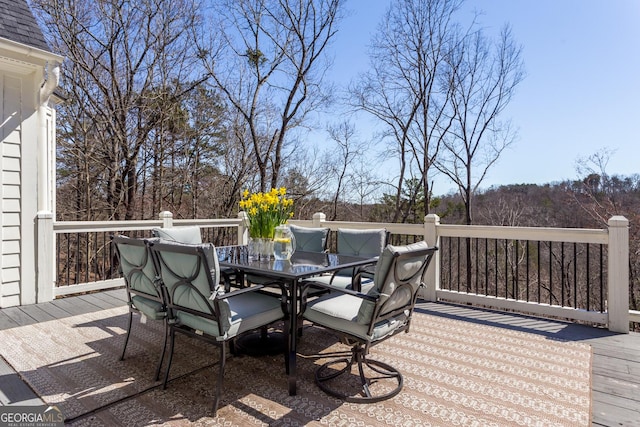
{"points": [[364, 320], [310, 239], [191, 235], [365, 243], [198, 305], [144, 291]]}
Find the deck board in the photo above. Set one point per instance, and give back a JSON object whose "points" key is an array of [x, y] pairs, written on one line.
{"points": [[616, 357], [75, 305], [5, 321], [19, 316], [119, 293], [621, 387], [38, 313], [609, 410], [101, 302], [112, 298]]}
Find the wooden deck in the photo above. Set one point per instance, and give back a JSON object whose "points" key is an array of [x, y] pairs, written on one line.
{"points": [[616, 357]]}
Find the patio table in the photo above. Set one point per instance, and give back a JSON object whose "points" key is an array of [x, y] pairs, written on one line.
{"points": [[302, 265]]}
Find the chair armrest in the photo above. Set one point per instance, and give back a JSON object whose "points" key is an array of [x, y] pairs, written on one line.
{"points": [[308, 283], [332, 290], [237, 292], [252, 288], [363, 270], [367, 268]]}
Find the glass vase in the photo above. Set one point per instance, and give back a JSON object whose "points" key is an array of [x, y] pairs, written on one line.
{"points": [[253, 248], [284, 243], [266, 249], [260, 249]]}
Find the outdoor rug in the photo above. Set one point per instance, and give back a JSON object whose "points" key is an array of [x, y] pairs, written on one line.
{"points": [[455, 373]]}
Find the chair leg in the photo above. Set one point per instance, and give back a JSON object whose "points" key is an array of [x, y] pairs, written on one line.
{"points": [[381, 372], [172, 337], [223, 359], [126, 339], [363, 379], [164, 350]]}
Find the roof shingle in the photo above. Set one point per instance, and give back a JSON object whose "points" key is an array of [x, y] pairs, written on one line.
{"points": [[18, 24]]}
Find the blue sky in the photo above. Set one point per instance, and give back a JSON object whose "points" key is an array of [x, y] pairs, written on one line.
{"points": [[581, 92]]}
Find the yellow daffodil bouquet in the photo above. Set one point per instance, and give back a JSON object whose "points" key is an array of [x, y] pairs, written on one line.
{"points": [[266, 211]]}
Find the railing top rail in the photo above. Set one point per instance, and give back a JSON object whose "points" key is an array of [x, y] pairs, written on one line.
{"points": [[98, 226], [223, 222], [394, 228], [547, 234], [106, 226], [578, 235]]}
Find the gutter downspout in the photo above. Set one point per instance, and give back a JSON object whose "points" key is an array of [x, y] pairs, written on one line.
{"points": [[46, 90], [45, 234]]}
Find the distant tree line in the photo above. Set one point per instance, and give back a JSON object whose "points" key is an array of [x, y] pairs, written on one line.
{"points": [[588, 202]]}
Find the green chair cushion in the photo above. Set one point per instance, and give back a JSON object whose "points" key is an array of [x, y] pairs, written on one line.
{"points": [[247, 311], [150, 308], [338, 281], [189, 265], [405, 270], [339, 312], [364, 243], [384, 283], [189, 235], [310, 239], [132, 256]]}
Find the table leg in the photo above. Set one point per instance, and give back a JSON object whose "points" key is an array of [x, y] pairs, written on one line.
{"points": [[293, 337]]}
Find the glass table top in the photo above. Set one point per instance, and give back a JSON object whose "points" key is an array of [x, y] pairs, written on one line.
{"points": [[302, 264]]}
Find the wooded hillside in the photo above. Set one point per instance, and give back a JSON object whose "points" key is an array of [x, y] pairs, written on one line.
{"points": [[587, 203]]}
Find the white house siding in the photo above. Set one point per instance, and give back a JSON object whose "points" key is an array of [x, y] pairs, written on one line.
{"points": [[29, 75], [11, 125]]}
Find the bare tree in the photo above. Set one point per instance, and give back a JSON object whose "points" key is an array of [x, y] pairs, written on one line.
{"points": [[482, 78], [348, 150], [402, 89], [365, 186], [121, 59], [598, 194], [601, 196], [268, 62]]}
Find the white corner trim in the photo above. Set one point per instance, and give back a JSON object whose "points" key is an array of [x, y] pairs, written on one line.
{"points": [[29, 51]]}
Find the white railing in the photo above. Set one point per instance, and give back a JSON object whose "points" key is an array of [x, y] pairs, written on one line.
{"points": [[113, 227], [616, 237]]}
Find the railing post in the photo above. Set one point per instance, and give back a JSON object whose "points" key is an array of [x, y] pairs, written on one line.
{"points": [[618, 275], [243, 230], [45, 257], [432, 276], [318, 219], [167, 219]]}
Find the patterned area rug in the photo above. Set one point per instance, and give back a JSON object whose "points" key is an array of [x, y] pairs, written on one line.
{"points": [[455, 373]]}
